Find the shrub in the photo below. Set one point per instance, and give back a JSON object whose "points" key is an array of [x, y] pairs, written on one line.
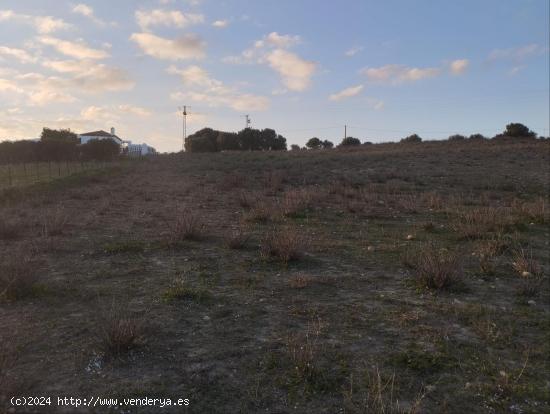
{"points": [[120, 330], [181, 290], [18, 276], [285, 244], [414, 138], [524, 264], [262, 212], [236, 238], [457, 137], [188, 225], [349, 141], [314, 143], [518, 130], [436, 268]]}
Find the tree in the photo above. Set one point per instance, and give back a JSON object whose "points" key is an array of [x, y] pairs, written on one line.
{"points": [[457, 137], [204, 140], [517, 130], [61, 135], [100, 150], [228, 141], [349, 141], [295, 147], [327, 144], [314, 143], [477, 137], [414, 138]]}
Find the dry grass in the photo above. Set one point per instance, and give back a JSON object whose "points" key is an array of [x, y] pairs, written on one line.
{"points": [[53, 222], [480, 222], [262, 211], [374, 393], [525, 265], [10, 229], [119, 330], [300, 281], [435, 268], [294, 202], [535, 211], [285, 244], [18, 276], [188, 225], [236, 238]]}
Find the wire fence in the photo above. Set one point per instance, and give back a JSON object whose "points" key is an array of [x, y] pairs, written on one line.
{"points": [[22, 174]]}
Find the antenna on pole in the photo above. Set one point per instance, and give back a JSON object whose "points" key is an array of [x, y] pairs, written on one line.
{"points": [[184, 131], [247, 121]]}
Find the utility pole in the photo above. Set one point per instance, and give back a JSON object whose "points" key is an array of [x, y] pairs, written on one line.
{"points": [[247, 121], [345, 131], [184, 132]]}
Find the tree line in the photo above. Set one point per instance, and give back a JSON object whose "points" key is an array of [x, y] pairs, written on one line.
{"points": [[248, 139], [55, 146], [512, 131]]}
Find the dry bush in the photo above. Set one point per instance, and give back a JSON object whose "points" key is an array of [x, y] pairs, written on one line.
{"points": [[273, 182], [261, 212], [374, 393], [188, 225], [285, 244], [487, 251], [479, 222], [119, 330], [236, 238], [53, 222], [296, 201], [525, 265], [536, 211], [300, 281], [18, 276], [246, 200], [303, 350], [435, 268]]}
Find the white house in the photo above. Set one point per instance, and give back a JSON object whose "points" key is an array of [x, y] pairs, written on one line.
{"points": [[88, 136]]}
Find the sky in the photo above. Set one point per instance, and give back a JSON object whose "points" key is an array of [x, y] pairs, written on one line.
{"points": [[305, 68]]}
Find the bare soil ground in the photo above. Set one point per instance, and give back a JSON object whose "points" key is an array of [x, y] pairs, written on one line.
{"points": [[392, 278]]}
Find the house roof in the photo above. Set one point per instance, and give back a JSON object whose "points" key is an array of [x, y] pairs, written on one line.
{"points": [[99, 133]]}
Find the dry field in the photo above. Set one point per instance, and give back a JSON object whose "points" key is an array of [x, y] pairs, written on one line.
{"points": [[388, 279]]}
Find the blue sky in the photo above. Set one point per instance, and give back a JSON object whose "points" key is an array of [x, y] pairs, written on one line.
{"points": [[305, 68]]}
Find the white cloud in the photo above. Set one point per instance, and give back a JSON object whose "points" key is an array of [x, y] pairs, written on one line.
{"points": [[42, 24], [45, 96], [213, 92], [19, 54], [175, 18], [295, 72], [189, 46], [459, 66], [347, 93], [517, 54], [353, 51], [220, 24], [9, 86], [396, 74], [87, 11], [77, 49], [113, 112]]}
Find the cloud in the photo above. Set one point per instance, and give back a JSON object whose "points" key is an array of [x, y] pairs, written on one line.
{"points": [[42, 24], [295, 72], [76, 49], [113, 112], [87, 11], [353, 51], [157, 17], [213, 92], [18, 54], [189, 46], [347, 93], [220, 24], [90, 76], [459, 66], [9, 86], [396, 74], [517, 54], [46, 96]]}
